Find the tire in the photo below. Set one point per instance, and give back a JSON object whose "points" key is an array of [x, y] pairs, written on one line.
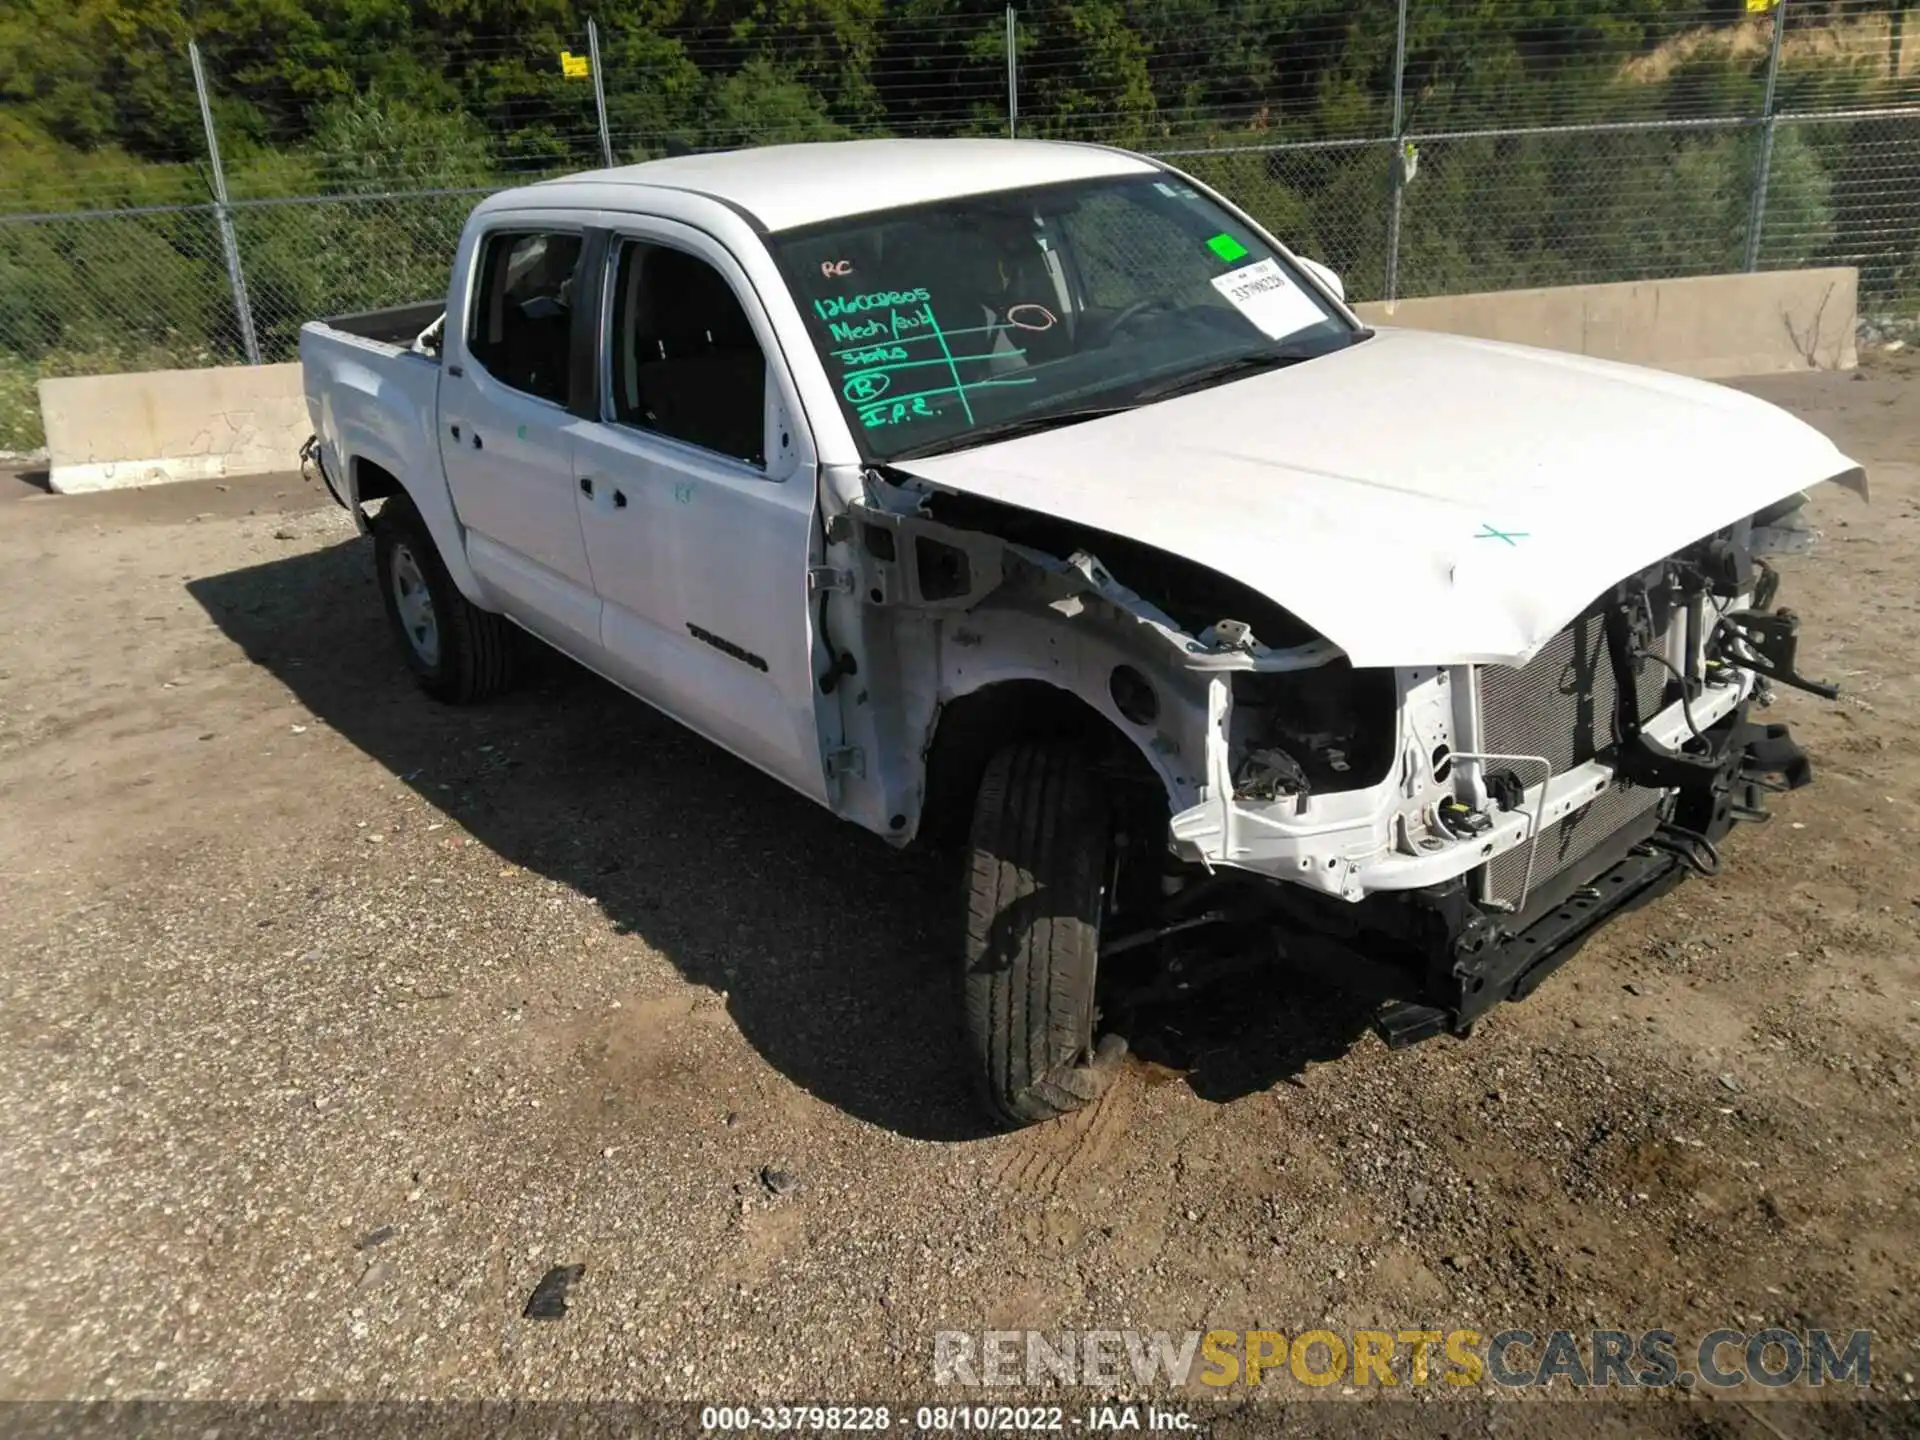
{"points": [[1036, 864], [458, 652]]}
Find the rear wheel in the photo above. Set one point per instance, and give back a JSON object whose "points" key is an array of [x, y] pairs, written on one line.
{"points": [[1036, 886], [457, 651]]}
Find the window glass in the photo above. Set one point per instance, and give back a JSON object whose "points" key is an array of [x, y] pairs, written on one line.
{"points": [[948, 324], [1123, 252], [523, 312], [686, 363]]}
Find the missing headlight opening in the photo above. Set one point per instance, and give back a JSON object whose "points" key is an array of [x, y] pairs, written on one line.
{"points": [[1335, 724]]}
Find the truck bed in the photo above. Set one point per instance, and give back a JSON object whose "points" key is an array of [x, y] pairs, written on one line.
{"points": [[397, 325], [373, 395]]}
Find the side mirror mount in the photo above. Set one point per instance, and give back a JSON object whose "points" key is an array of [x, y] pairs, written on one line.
{"points": [[1326, 275]]}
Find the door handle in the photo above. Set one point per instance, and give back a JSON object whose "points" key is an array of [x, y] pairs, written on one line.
{"points": [[617, 498], [456, 431], [476, 440]]}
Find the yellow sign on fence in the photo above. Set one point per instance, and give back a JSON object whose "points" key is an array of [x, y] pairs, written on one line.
{"points": [[578, 67], [1760, 7]]}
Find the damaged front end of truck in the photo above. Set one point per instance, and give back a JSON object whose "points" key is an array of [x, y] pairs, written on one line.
{"points": [[1472, 821]]}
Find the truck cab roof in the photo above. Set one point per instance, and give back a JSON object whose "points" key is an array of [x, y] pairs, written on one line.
{"points": [[785, 187]]}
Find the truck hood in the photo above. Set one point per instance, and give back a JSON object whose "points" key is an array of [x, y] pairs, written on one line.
{"points": [[1419, 499]]}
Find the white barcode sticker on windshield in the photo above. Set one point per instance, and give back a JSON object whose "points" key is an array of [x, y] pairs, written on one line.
{"points": [[1263, 293]]}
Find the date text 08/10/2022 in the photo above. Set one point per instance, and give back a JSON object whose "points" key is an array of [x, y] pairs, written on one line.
{"points": [[945, 1419]]}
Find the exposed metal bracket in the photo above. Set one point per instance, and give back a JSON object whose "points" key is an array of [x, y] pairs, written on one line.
{"points": [[1769, 645], [826, 577], [844, 761], [1482, 759], [922, 564]]}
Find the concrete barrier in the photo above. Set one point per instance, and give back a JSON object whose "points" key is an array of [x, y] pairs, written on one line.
{"points": [[105, 431], [109, 431], [1710, 326]]}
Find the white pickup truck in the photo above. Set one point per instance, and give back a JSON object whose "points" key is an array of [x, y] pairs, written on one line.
{"points": [[1035, 488]]}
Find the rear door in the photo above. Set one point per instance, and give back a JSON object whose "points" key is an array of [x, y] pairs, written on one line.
{"points": [[506, 434], [696, 494]]}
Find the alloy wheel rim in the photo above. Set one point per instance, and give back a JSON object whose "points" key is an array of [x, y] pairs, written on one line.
{"points": [[414, 604]]}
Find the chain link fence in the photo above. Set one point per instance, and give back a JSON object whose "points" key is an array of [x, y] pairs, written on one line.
{"points": [[329, 256], [1846, 191], [1428, 174]]}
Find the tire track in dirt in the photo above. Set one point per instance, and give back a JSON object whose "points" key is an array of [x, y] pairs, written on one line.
{"points": [[1051, 1163]]}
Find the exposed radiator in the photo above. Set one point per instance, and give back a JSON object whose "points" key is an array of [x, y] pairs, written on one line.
{"points": [[1560, 705], [1568, 841]]}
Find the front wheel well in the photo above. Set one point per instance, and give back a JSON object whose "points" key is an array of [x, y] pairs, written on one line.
{"points": [[971, 729], [373, 481]]}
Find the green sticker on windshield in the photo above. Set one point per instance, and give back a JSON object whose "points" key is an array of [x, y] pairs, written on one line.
{"points": [[1227, 248]]}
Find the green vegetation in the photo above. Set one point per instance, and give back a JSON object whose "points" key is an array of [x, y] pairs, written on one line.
{"points": [[359, 99]]}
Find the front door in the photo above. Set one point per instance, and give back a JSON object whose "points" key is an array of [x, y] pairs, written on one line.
{"points": [[506, 437], [697, 508]]}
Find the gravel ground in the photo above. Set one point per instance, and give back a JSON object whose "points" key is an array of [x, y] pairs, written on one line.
{"points": [[335, 1018]]}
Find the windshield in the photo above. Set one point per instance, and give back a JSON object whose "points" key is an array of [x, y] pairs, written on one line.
{"points": [[949, 324]]}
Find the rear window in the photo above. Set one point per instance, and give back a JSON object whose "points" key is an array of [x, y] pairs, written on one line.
{"points": [[522, 328]]}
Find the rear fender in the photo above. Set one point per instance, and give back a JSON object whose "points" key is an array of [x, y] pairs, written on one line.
{"points": [[376, 418]]}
